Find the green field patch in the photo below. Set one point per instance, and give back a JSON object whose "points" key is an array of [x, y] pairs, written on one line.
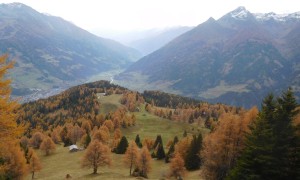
{"points": [[223, 88]]}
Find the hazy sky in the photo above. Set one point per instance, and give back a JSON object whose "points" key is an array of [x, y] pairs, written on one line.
{"points": [[146, 14]]}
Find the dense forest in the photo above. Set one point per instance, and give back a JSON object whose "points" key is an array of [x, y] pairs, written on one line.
{"points": [[229, 143]]}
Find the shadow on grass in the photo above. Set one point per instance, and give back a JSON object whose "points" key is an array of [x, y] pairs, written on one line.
{"points": [[106, 175]]}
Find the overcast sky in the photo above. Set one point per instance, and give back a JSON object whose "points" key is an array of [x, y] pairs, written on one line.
{"points": [[146, 14]]}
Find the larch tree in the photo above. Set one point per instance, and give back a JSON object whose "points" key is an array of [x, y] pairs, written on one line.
{"points": [[182, 146], [223, 146], [131, 156], [76, 133], [48, 146], [34, 163], [177, 168], [86, 125], [13, 161], [36, 139], [144, 162], [55, 136], [102, 136], [97, 154], [9, 130], [109, 124]]}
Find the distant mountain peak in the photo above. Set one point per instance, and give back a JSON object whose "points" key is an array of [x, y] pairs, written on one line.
{"points": [[240, 13], [276, 17], [14, 5]]}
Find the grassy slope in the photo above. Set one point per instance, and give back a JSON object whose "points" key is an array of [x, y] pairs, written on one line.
{"points": [[62, 162]]}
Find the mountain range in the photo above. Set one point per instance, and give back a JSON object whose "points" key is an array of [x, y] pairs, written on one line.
{"points": [[51, 52], [158, 39], [145, 41], [236, 59]]}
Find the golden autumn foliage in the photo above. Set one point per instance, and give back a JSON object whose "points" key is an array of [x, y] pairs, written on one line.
{"points": [[131, 156], [48, 146], [14, 166], [147, 142], [144, 162], [97, 154], [177, 168], [8, 126], [223, 146], [10, 154], [36, 139], [75, 133], [182, 146], [132, 100], [34, 162], [74, 105], [102, 136]]}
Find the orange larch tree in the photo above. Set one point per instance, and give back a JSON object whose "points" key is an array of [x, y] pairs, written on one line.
{"points": [[97, 154], [9, 130], [177, 168], [131, 156], [144, 162], [48, 145], [34, 162]]}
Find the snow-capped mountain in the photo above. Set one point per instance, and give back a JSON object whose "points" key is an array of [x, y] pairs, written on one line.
{"points": [[236, 60], [241, 13], [277, 17]]}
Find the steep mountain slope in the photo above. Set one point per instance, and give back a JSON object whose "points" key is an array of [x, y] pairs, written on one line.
{"points": [[236, 59], [51, 52]]}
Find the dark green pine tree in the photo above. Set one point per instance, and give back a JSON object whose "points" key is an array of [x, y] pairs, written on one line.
{"points": [[87, 140], [122, 146], [272, 147], [158, 140], [160, 153], [192, 159], [171, 151], [287, 142], [256, 161], [138, 141]]}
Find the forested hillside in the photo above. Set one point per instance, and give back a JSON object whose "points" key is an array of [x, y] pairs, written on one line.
{"points": [[118, 133]]}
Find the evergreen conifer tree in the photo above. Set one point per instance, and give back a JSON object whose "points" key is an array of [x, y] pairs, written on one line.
{"points": [[87, 140], [272, 146], [192, 159], [158, 140], [160, 154], [256, 161], [122, 146], [138, 141], [171, 150]]}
